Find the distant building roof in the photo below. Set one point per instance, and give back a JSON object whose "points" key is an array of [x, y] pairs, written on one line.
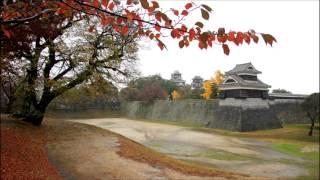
{"points": [[197, 77], [243, 68], [176, 77], [176, 72]]}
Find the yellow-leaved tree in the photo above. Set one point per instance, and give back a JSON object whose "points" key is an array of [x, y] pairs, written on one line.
{"points": [[175, 95], [207, 89], [218, 77], [210, 87]]}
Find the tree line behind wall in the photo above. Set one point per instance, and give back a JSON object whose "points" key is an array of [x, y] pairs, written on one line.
{"points": [[156, 88]]}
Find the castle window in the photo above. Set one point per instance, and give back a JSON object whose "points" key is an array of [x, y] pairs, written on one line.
{"points": [[250, 68], [230, 81]]}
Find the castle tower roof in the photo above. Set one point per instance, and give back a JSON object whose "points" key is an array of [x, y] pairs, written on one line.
{"points": [[243, 76], [243, 68]]}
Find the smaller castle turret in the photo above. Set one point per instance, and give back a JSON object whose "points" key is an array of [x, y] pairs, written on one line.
{"points": [[197, 82]]}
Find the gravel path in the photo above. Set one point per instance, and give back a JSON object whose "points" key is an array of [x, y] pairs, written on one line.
{"points": [[230, 153]]}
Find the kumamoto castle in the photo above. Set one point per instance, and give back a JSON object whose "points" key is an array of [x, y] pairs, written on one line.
{"points": [[244, 104]]}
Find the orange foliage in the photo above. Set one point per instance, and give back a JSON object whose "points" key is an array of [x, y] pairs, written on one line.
{"points": [[207, 85], [175, 95], [149, 17], [218, 77]]}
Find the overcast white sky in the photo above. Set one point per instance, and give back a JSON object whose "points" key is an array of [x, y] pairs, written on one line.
{"points": [[292, 63]]}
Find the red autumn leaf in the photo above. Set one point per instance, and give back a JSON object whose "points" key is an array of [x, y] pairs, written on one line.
{"points": [[151, 10], [144, 4], [91, 28], [204, 37], [213, 37], [151, 36], [129, 2], [155, 4], [226, 49], [231, 36], [148, 32], [104, 21], [117, 28], [124, 30], [183, 28], [6, 32], [164, 17], [222, 38], [239, 38], [111, 6], [188, 5], [105, 3], [119, 20], [158, 16], [206, 7], [186, 42], [192, 34], [268, 39], [96, 3], [199, 24], [160, 45], [181, 43], [246, 38], [221, 31], [174, 33], [184, 13], [130, 16], [255, 38], [201, 45], [158, 36], [210, 43], [175, 12], [205, 14], [157, 27]]}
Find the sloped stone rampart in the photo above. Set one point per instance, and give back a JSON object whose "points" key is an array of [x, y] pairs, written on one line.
{"points": [[231, 114]]}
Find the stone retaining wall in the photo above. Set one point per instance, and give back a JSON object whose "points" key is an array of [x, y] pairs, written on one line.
{"points": [[231, 114]]}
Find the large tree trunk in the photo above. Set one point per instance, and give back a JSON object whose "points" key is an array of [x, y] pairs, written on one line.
{"points": [[35, 116], [10, 104], [26, 107]]}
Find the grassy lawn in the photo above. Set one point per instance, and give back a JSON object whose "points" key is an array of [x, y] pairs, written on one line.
{"points": [[294, 133], [290, 133]]}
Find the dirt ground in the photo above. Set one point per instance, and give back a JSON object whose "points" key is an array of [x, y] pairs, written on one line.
{"points": [[61, 149], [241, 155], [82, 151], [90, 150]]}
